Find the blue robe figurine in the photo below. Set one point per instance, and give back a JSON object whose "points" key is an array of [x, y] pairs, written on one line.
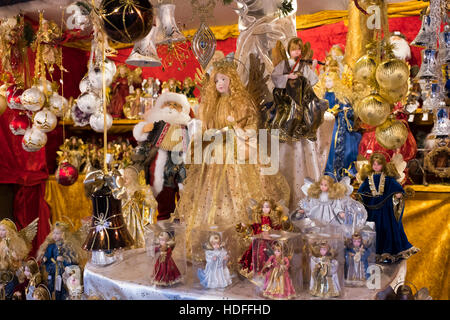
{"points": [[216, 273], [386, 211], [344, 141], [55, 269]]}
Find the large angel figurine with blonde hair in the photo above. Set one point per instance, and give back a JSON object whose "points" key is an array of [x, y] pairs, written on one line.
{"points": [[219, 184], [14, 249]]}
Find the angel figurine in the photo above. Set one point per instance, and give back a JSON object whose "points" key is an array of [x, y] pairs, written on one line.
{"points": [[216, 273], [133, 108], [323, 202], [324, 280], [139, 206], [60, 249], [34, 277], [344, 139], [356, 260], [298, 111], [151, 87], [171, 85], [229, 110], [278, 283], [267, 215], [135, 79], [119, 91], [383, 196], [14, 249], [165, 272]]}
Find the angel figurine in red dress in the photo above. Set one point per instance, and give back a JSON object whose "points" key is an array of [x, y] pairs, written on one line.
{"points": [[166, 272], [267, 215], [119, 91]]}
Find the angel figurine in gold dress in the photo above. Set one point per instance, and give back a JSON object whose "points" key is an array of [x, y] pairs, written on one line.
{"points": [[14, 249], [139, 207], [216, 191]]}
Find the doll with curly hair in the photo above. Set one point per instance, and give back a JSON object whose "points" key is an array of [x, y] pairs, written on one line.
{"points": [[119, 91], [383, 196], [267, 215], [323, 202], [165, 272], [216, 273], [59, 250], [324, 281], [14, 249], [216, 190]]}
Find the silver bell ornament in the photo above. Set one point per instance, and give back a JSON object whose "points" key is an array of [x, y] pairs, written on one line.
{"points": [[426, 38], [33, 140], [444, 45], [45, 120], [428, 70], [88, 102], [144, 52], [32, 99], [97, 121], [57, 104], [166, 26]]}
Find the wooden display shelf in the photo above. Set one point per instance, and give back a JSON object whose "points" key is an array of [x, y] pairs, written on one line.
{"points": [[119, 126]]}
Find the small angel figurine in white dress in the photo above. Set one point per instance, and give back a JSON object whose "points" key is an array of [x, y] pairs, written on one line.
{"points": [[329, 202], [216, 273], [323, 202]]}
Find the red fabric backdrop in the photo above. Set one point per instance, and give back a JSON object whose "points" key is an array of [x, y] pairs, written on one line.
{"points": [[30, 170]]}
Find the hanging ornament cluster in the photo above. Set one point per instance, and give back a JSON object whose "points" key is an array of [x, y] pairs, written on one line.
{"points": [[387, 79], [88, 107], [435, 62]]}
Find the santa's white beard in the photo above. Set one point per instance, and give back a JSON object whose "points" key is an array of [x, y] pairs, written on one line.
{"points": [[401, 49]]}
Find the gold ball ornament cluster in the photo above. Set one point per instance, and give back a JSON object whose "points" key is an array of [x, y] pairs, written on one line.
{"points": [[392, 134]]}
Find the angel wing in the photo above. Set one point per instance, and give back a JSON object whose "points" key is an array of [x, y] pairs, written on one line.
{"points": [[278, 53], [251, 204], [256, 85], [346, 182], [400, 165], [306, 184], [29, 232]]}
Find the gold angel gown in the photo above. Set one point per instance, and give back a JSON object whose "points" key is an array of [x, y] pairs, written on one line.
{"points": [[219, 193]]}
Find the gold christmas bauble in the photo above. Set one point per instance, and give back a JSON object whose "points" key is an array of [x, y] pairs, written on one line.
{"points": [[364, 69], [394, 95], [3, 104], [392, 134], [373, 110], [392, 74]]}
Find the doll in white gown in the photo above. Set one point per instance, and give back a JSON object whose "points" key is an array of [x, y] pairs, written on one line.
{"points": [[324, 280], [216, 273]]}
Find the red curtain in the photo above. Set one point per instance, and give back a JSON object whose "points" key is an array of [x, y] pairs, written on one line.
{"points": [[30, 170]]}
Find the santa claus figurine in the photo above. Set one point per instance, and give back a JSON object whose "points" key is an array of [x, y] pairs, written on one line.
{"points": [[163, 138]]}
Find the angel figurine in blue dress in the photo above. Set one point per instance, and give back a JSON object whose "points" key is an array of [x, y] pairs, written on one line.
{"points": [[383, 198], [216, 273]]}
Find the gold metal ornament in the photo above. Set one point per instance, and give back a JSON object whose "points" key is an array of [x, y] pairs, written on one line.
{"points": [[394, 95], [364, 69], [392, 74], [392, 134], [373, 110]]}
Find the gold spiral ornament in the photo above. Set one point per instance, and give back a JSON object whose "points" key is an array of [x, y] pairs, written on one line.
{"points": [[364, 69], [373, 110], [392, 74], [392, 134], [394, 95]]}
